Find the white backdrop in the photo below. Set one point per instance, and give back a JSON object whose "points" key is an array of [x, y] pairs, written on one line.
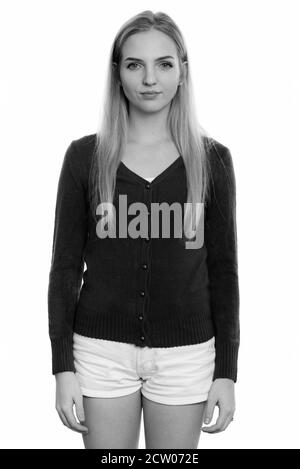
{"points": [[245, 70]]}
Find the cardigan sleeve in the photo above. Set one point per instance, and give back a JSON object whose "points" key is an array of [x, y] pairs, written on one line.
{"points": [[67, 262], [222, 262]]}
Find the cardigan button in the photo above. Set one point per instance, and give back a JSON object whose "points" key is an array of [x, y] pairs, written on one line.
{"points": [[145, 266], [147, 185], [140, 318], [142, 293], [142, 337]]}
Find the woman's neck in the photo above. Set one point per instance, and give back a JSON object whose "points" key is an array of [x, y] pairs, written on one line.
{"points": [[148, 129]]}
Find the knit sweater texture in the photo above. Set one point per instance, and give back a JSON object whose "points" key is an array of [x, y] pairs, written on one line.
{"points": [[148, 291]]}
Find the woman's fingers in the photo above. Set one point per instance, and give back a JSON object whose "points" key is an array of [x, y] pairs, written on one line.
{"points": [[63, 418], [221, 422], [209, 409], [67, 417], [79, 409], [228, 422]]}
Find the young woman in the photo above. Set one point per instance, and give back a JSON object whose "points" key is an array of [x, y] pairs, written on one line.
{"points": [[155, 323]]}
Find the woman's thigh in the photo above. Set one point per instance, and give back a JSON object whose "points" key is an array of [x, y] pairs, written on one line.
{"points": [[172, 426], [112, 422]]}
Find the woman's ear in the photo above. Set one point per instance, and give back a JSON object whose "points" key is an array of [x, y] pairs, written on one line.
{"points": [[184, 71]]}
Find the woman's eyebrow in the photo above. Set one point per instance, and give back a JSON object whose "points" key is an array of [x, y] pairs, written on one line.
{"points": [[140, 60]]}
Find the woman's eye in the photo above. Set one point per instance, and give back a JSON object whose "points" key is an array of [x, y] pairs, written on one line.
{"points": [[131, 64], [167, 63], [163, 63]]}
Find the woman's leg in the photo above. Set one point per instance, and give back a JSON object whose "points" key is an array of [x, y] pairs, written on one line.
{"points": [[172, 426], [112, 422]]}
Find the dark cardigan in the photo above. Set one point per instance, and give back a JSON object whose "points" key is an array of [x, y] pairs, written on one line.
{"points": [[146, 291]]}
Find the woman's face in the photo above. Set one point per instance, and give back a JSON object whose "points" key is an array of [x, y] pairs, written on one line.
{"points": [[149, 71]]}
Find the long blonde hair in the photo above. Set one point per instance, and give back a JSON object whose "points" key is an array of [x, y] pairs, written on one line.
{"points": [[190, 138]]}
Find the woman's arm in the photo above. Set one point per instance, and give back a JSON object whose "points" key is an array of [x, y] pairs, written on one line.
{"points": [[222, 261], [67, 264]]}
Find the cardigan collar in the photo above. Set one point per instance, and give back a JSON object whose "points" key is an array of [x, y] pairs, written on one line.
{"points": [[139, 179]]}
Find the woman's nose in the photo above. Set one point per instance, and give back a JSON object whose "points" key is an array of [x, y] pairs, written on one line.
{"points": [[149, 77]]}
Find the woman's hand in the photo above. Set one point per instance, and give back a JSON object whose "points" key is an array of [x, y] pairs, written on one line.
{"points": [[221, 394], [68, 392]]}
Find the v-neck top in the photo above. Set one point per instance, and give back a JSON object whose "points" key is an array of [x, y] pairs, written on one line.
{"points": [[178, 161], [144, 286]]}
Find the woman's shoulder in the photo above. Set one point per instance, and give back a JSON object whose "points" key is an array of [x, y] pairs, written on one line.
{"points": [[84, 146], [80, 154], [218, 156], [220, 167], [78, 158], [85, 142], [216, 150]]}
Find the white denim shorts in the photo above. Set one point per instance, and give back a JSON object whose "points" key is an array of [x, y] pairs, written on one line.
{"points": [[168, 375]]}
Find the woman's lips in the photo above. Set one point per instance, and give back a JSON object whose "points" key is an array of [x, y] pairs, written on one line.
{"points": [[150, 94]]}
